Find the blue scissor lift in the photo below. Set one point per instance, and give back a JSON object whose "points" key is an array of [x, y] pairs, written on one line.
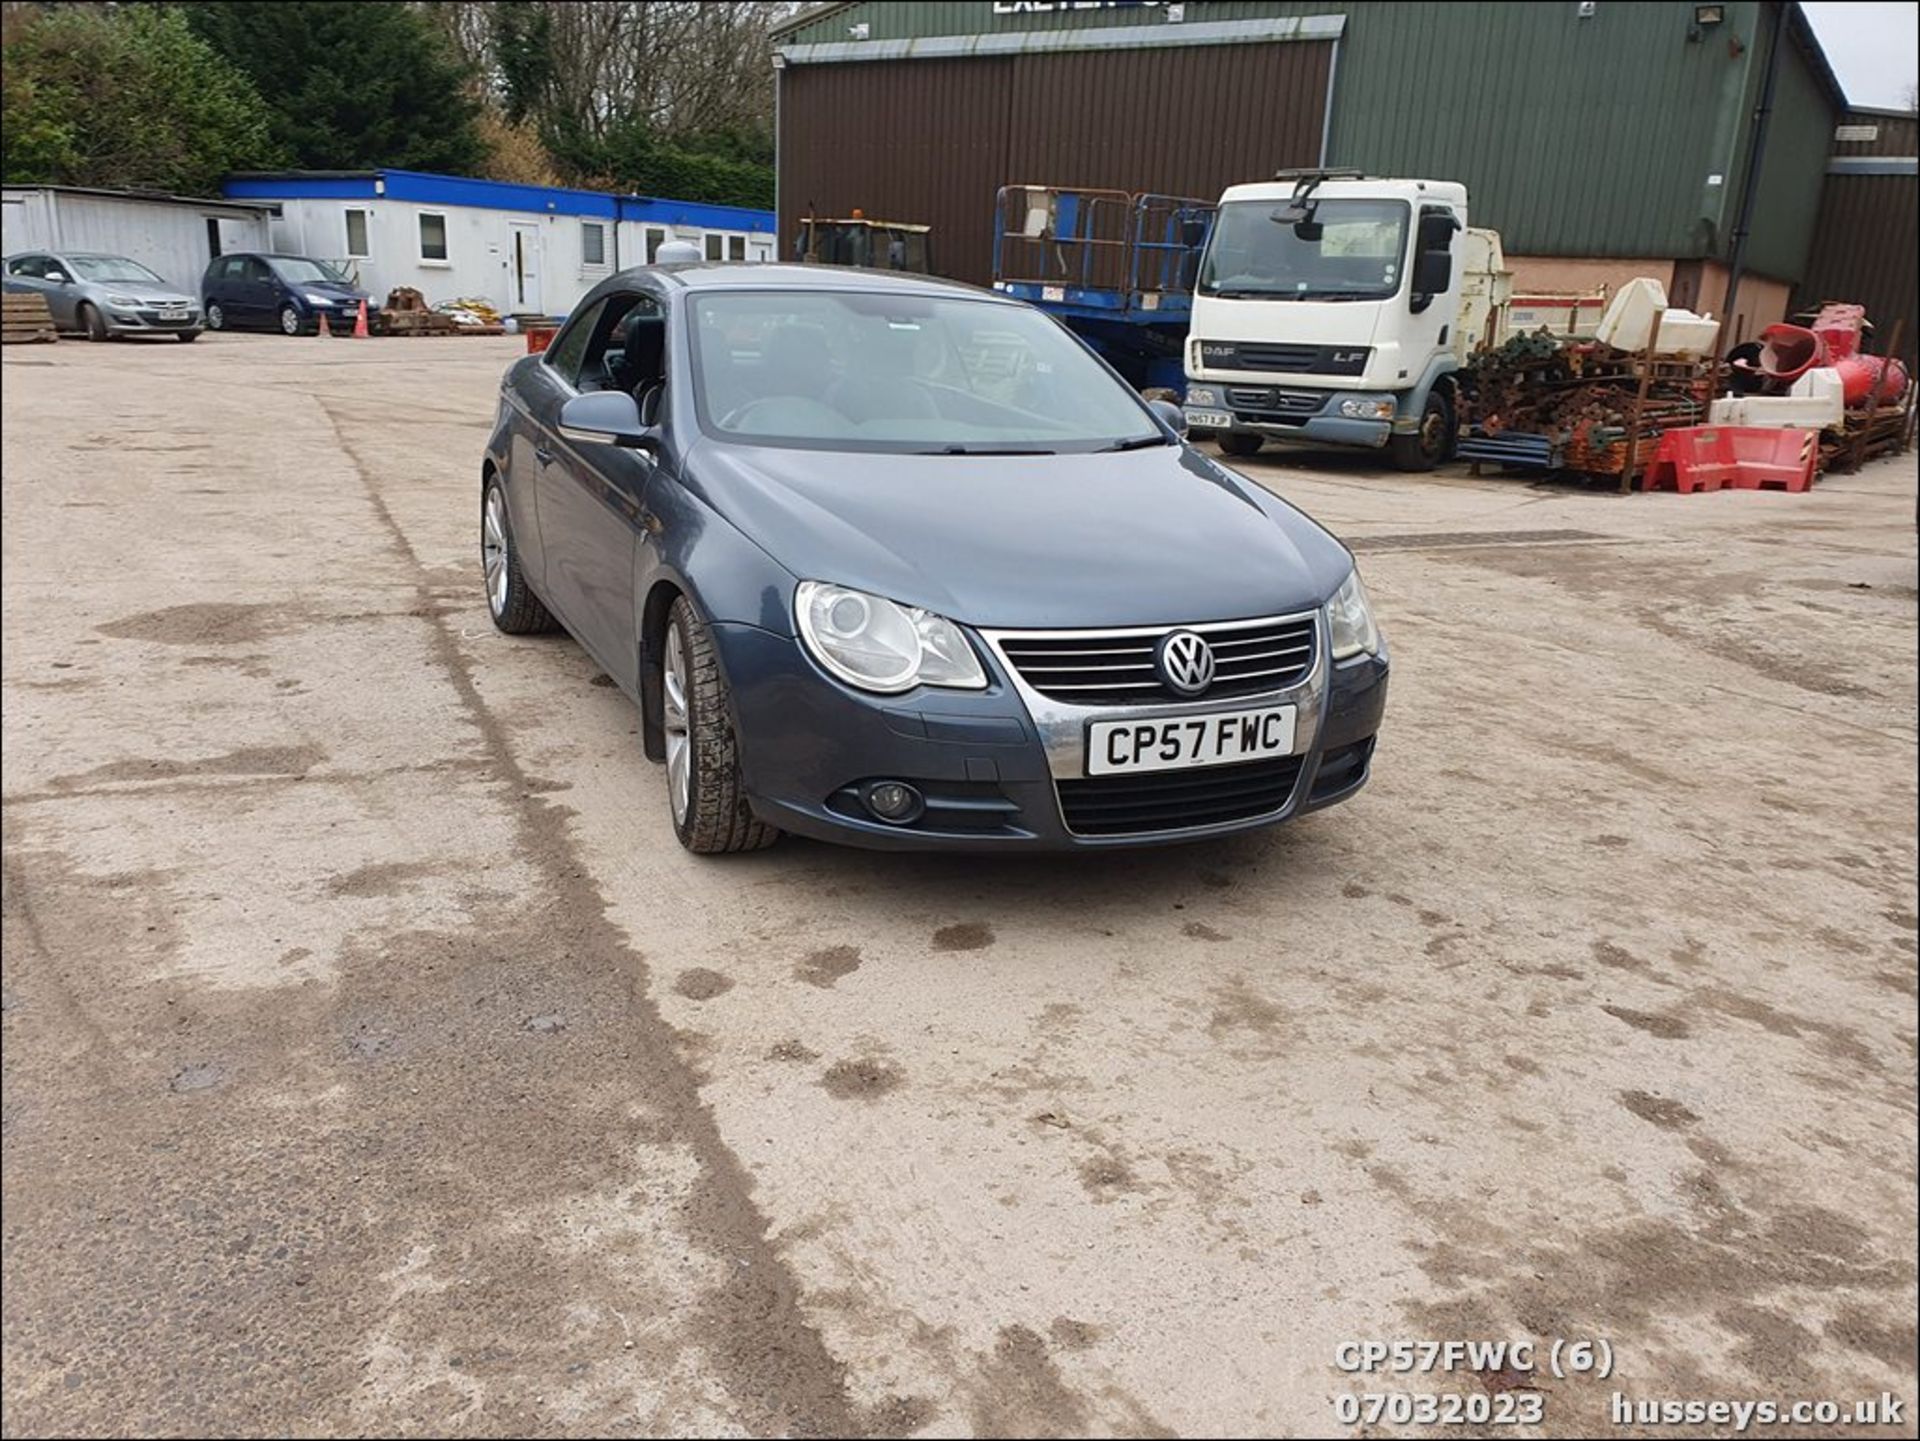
{"points": [[1117, 268]]}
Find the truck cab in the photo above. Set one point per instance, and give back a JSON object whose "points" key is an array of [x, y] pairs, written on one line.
{"points": [[1328, 309]]}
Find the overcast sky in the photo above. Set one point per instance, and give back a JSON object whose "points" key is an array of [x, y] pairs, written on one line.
{"points": [[1872, 45]]}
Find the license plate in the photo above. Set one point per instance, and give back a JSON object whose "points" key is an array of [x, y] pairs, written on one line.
{"points": [[173, 315], [1210, 419], [1180, 742]]}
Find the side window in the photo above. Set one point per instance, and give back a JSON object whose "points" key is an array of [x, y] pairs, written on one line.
{"points": [[29, 265], [593, 244], [433, 235], [570, 347], [714, 244], [736, 247], [255, 269], [357, 246], [655, 239]]}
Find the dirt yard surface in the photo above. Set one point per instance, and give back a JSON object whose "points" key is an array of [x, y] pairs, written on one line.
{"points": [[375, 1061]]}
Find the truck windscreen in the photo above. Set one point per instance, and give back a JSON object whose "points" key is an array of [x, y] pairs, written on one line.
{"points": [[1343, 250]]}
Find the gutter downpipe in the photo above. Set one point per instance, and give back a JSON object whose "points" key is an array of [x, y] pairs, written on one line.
{"points": [[1737, 259]]}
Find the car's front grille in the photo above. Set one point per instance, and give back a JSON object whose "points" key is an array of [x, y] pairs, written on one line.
{"points": [[1097, 668], [1177, 800]]}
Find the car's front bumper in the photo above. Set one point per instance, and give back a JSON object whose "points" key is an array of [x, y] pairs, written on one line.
{"points": [[990, 771], [1299, 413], [150, 322]]}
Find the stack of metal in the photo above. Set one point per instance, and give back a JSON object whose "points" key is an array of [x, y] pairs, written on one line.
{"points": [[1540, 401]]}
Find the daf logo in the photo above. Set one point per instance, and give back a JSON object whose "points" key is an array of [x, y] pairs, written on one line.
{"points": [[1185, 661]]}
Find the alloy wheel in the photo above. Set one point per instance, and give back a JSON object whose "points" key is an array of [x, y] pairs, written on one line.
{"points": [[289, 320], [675, 721], [216, 318], [493, 549]]}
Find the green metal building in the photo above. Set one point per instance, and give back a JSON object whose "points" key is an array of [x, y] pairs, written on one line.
{"points": [[1602, 139]]}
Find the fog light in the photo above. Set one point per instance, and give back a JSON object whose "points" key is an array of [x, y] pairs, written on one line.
{"points": [[894, 802]]}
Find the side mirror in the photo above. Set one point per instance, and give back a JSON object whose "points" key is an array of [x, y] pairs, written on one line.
{"points": [[1432, 273], [59, 277], [1173, 415], [606, 417]]}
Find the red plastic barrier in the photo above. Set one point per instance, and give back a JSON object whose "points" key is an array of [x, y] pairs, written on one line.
{"points": [[539, 337], [1733, 457], [1838, 327]]}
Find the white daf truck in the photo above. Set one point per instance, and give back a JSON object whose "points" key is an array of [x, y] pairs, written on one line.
{"points": [[1334, 308]]}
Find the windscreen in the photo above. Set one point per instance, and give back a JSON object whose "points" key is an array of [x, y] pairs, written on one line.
{"points": [[114, 267], [1345, 250], [301, 270], [911, 374]]}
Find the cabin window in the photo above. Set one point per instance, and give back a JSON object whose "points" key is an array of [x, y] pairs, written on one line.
{"points": [[716, 247], [655, 239], [357, 234], [433, 236], [593, 243]]}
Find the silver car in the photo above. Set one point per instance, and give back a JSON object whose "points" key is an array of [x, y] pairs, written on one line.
{"points": [[104, 295]]}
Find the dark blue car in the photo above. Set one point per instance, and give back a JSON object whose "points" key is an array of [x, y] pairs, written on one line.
{"points": [[288, 293], [900, 563]]}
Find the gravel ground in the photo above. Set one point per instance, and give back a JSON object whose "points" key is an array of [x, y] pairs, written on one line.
{"points": [[375, 1061]]}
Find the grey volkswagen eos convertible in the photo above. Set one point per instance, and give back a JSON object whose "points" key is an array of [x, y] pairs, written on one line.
{"points": [[900, 563]]}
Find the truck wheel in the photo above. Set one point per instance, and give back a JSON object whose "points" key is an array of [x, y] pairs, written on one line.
{"points": [[1431, 443], [1238, 442]]}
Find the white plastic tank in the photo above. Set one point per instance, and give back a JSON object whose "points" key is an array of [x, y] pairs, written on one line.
{"points": [[1629, 321]]}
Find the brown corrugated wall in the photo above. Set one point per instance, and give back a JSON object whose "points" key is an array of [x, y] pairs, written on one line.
{"points": [[1866, 236], [931, 141]]}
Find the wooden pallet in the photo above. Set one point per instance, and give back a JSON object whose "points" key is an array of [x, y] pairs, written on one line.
{"points": [[24, 318]]}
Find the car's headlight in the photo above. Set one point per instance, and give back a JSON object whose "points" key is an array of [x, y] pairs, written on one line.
{"points": [[880, 645], [1350, 627], [313, 299], [1367, 407], [122, 300], [1202, 395]]}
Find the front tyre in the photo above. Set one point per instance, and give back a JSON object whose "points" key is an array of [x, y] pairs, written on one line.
{"points": [[510, 600], [216, 317], [710, 811], [186, 336], [92, 321], [289, 320], [1239, 442], [1431, 443]]}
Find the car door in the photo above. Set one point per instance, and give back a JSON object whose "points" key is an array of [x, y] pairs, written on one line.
{"points": [[60, 286], [591, 500], [226, 284], [262, 289]]}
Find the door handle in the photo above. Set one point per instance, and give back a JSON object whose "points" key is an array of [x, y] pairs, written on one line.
{"points": [[543, 455]]}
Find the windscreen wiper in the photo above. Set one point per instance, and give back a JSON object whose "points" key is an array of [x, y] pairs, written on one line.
{"points": [[1137, 442], [983, 450]]}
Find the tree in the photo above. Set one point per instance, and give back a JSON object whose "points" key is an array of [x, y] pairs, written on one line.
{"points": [[126, 97], [351, 85], [666, 97]]}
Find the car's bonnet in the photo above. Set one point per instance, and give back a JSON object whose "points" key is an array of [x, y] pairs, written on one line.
{"points": [[1128, 538]]}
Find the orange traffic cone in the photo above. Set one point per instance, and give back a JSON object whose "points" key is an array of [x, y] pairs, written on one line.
{"points": [[360, 331], [325, 330]]}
